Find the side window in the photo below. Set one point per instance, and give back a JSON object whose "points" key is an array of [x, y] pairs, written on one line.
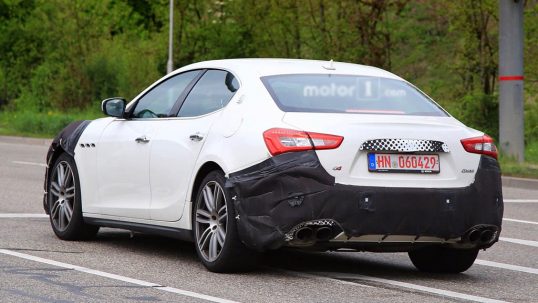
{"points": [[158, 102], [212, 92]]}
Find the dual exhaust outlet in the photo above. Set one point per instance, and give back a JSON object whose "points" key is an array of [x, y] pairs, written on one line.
{"points": [[307, 233], [482, 235]]}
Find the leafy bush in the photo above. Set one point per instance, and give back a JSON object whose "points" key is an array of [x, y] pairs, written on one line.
{"points": [[479, 111], [531, 122]]}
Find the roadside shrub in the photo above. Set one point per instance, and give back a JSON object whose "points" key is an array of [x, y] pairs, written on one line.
{"points": [[479, 111], [531, 122], [531, 152], [103, 77]]}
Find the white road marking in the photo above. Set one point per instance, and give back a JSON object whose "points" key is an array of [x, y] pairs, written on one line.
{"points": [[529, 270], [520, 200], [441, 292], [116, 277], [193, 294], [520, 241], [10, 215], [318, 277], [520, 221], [30, 163]]}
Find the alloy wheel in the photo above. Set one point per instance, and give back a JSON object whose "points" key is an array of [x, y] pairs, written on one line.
{"points": [[62, 192], [211, 221]]}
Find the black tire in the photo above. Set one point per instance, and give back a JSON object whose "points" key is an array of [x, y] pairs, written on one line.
{"points": [[233, 256], [75, 228], [438, 259]]}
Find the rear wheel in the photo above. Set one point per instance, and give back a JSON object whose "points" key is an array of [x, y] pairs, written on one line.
{"points": [[440, 259], [215, 233], [63, 193]]}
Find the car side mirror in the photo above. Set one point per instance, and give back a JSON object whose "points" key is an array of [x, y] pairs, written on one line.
{"points": [[114, 107]]}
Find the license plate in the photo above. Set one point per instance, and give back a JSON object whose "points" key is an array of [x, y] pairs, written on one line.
{"points": [[403, 163]]}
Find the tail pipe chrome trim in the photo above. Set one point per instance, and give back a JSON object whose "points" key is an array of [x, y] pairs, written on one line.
{"points": [[304, 234], [481, 235], [324, 233], [313, 231]]}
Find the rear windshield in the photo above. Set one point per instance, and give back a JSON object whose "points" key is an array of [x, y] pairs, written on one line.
{"points": [[325, 93]]}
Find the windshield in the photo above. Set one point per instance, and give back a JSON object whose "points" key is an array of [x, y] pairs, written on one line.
{"points": [[349, 94]]}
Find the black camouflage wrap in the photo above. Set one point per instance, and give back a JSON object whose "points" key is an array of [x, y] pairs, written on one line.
{"points": [[272, 197], [65, 141]]}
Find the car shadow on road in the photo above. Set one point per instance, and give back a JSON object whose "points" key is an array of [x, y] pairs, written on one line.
{"points": [[383, 265], [147, 244], [389, 266]]}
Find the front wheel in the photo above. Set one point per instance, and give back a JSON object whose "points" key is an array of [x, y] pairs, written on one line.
{"points": [[440, 259], [215, 233], [65, 209]]}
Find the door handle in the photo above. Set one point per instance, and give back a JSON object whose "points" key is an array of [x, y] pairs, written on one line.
{"points": [[142, 140], [196, 137]]}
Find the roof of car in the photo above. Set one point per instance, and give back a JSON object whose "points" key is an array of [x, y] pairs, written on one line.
{"points": [[266, 67]]}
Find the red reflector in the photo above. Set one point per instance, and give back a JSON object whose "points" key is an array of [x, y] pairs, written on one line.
{"points": [[282, 140], [480, 145]]}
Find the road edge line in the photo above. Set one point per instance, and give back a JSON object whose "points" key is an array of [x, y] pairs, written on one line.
{"points": [[22, 215], [407, 285], [520, 241], [520, 221], [524, 269]]}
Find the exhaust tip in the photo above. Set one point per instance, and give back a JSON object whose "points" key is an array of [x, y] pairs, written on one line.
{"points": [[304, 234], [474, 236], [324, 233], [486, 236], [481, 235]]}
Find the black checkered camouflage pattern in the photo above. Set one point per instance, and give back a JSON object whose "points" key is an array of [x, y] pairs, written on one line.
{"points": [[404, 145]]}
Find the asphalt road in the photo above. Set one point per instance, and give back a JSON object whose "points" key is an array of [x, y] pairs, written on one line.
{"points": [[35, 266]]}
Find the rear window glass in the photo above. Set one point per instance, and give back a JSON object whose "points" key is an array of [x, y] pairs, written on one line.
{"points": [[349, 94]]}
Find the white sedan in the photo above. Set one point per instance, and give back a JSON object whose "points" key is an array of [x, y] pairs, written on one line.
{"points": [[251, 155]]}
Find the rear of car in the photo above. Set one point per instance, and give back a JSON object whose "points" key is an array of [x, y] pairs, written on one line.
{"points": [[370, 163]]}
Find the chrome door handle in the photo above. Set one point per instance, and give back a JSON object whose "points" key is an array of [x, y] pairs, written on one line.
{"points": [[196, 137], [142, 140]]}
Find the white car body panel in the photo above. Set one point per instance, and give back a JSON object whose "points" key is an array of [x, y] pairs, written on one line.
{"points": [[172, 161], [86, 159], [123, 169]]}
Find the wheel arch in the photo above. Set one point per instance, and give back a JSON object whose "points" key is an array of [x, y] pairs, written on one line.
{"points": [[55, 153], [205, 169], [64, 142]]}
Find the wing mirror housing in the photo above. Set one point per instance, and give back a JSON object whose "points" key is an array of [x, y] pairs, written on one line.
{"points": [[114, 107]]}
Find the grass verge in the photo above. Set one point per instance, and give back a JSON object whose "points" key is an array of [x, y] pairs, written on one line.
{"points": [[527, 169], [41, 124]]}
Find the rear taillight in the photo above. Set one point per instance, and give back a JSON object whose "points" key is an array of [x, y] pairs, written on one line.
{"points": [[282, 140], [480, 145]]}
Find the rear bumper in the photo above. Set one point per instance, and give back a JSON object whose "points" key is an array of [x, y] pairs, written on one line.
{"points": [[283, 192]]}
